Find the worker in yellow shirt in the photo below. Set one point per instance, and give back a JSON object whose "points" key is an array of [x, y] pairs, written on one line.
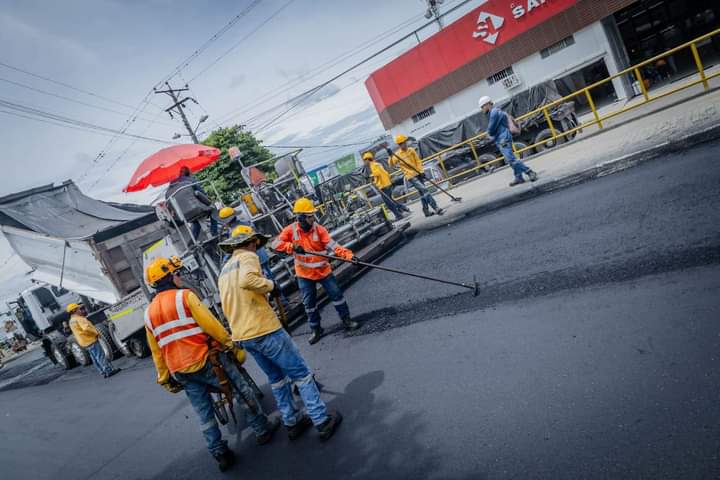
{"points": [[179, 329], [381, 180], [87, 336], [256, 328], [407, 159]]}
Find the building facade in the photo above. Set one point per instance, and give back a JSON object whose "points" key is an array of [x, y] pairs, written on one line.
{"points": [[502, 47]]}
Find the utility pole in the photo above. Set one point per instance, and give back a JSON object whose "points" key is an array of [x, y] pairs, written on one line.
{"points": [[178, 107], [433, 10]]}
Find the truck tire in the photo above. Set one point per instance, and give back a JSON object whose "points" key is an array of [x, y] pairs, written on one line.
{"points": [[62, 357], [79, 354], [119, 344], [138, 346], [488, 157], [544, 138], [106, 341]]}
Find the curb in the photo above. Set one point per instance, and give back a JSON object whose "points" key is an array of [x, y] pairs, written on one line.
{"points": [[603, 169]]}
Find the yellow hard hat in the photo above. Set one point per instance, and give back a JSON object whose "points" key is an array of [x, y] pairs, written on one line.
{"points": [[400, 138], [72, 307], [304, 205], [368, 156], [160, 268], [226, 212], [242, 230]]}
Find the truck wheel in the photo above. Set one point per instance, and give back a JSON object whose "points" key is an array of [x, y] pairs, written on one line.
{"points": [[119, 344], [62, 358], [544, 138], [79, 354], [487, 157], [106, 341], [138, 346]]}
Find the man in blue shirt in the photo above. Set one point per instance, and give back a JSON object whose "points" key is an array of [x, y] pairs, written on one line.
{"points": [[499, 131]]}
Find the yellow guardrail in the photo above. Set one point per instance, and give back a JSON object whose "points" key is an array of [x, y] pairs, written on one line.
{"points": [[597, 117]]}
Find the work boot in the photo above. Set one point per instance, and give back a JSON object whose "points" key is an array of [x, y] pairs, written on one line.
{"points": [[517, 181], [299, 428], [350, 324], [114, 372], [440, 211], [272, 426], [327, 429], [225, 459], [428, 213], [532, 175], [317, 334]]}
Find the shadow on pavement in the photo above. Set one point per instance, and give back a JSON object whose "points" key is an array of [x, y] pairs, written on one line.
{"points": [[373, 442]]}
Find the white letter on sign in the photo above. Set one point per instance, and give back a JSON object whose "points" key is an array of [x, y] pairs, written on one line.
{"points": [[533, 4], [518, 11]]}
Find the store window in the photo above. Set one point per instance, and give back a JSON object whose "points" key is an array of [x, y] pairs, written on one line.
{"points": [[423, 115], [556, 47], [502, 74]]}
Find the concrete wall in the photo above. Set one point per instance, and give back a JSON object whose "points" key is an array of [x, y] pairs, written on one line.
{"points": [[591, 44]]}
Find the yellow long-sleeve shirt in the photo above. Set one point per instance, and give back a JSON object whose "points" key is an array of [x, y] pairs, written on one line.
{"points": [[85, 332], [243, 291], [380, 176], [411, 165], [206, 321]]}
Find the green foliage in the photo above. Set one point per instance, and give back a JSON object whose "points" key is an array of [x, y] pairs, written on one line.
{"points": [[225, 173]]}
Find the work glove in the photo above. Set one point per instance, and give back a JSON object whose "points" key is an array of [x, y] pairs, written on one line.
{"points": [[172, 386], [275, 291], [389, 151], [298, 249]]}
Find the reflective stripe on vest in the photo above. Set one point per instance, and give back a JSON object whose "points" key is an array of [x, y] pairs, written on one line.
{"points": [[313, 261], [183, 320]]}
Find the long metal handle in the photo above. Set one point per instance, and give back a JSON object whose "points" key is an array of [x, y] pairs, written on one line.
{"points": [[453, 197], [475, 287]]}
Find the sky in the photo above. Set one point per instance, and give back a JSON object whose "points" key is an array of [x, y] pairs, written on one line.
{"points": [[108, 55]]}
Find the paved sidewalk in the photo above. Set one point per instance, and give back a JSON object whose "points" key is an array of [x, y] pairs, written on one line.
{"points": [[627, 139]]}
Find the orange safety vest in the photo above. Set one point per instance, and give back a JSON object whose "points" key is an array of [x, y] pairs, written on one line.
{"points": [[181, 340], [317, 239]]}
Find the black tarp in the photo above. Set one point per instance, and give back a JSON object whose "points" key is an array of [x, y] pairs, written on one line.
{"points": [[518, 105], [63, 211]]}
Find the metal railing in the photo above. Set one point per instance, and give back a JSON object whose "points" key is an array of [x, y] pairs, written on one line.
{"points": [[700, 77]]}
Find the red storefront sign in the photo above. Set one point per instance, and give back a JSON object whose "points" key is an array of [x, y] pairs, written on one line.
{"points": [[475, 34]]}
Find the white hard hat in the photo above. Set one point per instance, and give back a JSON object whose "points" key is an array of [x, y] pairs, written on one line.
{"points": [[484, 100]]}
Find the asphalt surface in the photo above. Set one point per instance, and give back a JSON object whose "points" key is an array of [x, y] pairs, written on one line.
{"points": [[591, 352]]}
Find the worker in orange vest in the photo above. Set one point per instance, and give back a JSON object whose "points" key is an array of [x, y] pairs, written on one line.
{"points": [[179, 330], [301, 239]]}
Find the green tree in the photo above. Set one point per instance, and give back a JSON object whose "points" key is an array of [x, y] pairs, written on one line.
{"points": [[225, 173]]}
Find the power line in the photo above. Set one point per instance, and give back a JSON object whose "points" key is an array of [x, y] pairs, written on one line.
{"points": [[63, 97], [67, 85], [28, 110], [245, 37], [209, 42]]}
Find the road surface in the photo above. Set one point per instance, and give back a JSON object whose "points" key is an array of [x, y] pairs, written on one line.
{"points": [[592, 351]]}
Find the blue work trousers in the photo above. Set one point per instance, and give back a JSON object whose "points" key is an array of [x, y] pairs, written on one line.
{"points": [[99, 359], [197, 388], [426, 198], [308, 288], [516, 164], [278, 356], [395, 207]]}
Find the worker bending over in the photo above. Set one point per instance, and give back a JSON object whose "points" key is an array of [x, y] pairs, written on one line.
{"points": [[381, 180], [301, 239], [86, 335], [180, 330], [256, 328], [407, 159]]}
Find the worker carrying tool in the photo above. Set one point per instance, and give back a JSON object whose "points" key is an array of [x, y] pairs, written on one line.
{"points": [[256, 328], [407, 159], [381, 180], [180, 331], [86, 335], [301, 239]]}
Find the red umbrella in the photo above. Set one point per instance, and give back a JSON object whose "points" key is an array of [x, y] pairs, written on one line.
{"points": [[164, 165]]}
